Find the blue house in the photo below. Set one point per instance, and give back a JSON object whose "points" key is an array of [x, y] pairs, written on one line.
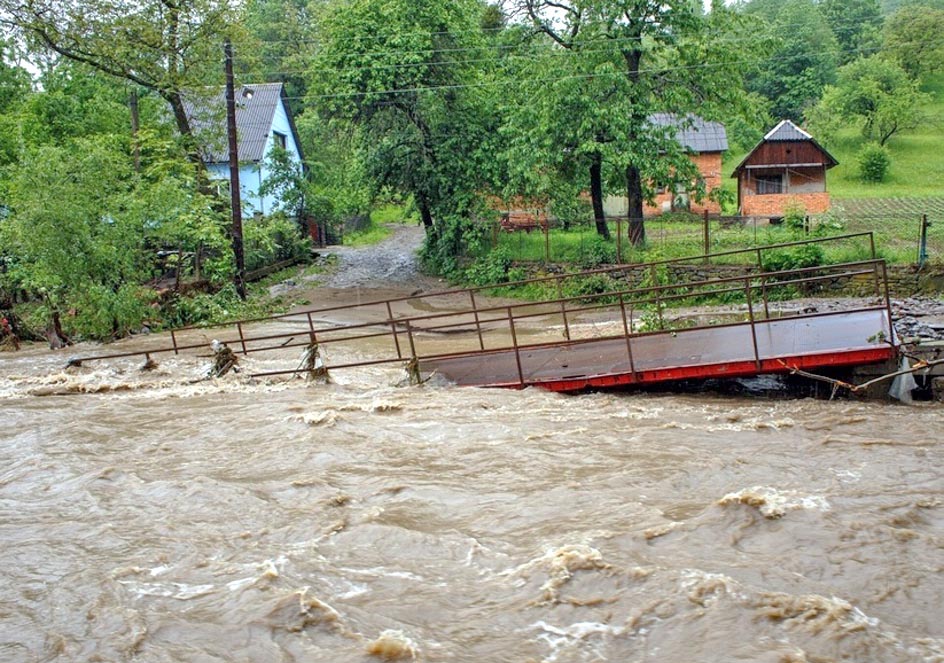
{"points": [[263, 121]]}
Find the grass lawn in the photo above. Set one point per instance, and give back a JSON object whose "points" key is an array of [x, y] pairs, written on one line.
{"points": [[393, 213], [917, 166]]}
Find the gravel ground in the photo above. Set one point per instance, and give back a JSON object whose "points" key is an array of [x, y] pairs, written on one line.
{"points": [[389, 263]]}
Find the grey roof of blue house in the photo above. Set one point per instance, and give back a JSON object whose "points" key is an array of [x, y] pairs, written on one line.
{"points": [[694, 133], [255, 110]]}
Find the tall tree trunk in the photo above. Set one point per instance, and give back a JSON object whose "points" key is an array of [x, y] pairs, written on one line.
{"points": [[596, 195], [637, 226], [423, 205], [182, 120]]}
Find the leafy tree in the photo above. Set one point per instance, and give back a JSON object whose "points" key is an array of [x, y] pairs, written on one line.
{"points": [[15, 88], [620, 61], [914, 36], [81, 227], [71, 240], [875, 92], [803, 61], [403, 72], [857, 25], [280, 37], [165, 47]]}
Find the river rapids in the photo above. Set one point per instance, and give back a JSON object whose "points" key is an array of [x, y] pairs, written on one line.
{"points": [[157, 517]]}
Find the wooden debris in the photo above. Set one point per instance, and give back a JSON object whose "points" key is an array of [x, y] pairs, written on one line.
{"points": [[224, 360], [313, 365]]}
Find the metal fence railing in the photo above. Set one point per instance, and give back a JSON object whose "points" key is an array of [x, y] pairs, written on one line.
{"points": [[900, 238]]}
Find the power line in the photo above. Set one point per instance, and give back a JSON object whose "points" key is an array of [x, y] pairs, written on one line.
{"points": [[510, 81]]}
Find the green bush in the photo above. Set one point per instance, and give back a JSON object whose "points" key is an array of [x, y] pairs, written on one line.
{"points": [[807, 255], [491, 268], [271, 239], [874, 161], [594, 252], [794, 217], [588, 287]]}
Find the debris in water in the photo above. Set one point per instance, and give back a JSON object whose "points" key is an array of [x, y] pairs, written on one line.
{"points": [[314, 365], [392, 645], [224, 360]]}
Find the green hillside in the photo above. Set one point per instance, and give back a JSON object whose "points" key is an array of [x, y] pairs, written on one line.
{"points": [[917, 168]]}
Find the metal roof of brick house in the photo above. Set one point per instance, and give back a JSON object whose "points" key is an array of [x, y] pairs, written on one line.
{"points": [[787, 130], [255, 110], [694, 133]]}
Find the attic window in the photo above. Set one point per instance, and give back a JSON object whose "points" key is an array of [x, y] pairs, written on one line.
{"points": [[279, 139]]}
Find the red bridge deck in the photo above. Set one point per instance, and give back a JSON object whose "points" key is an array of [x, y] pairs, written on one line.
{"points": [[829, 339]]}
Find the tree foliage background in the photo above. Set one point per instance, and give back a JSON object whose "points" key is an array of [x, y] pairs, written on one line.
{"points": [[450, 106]]}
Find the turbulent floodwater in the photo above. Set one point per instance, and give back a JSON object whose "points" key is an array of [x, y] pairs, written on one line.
{"points": [[239, 520]]}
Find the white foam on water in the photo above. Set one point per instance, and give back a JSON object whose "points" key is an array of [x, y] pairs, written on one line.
{"points": [[176, 590], [774, 503]]}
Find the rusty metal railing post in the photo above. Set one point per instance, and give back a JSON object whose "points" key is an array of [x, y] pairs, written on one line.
{"points": [[658, 289], [409, 335], [311, 323], [514, 341], [478, 323], [393, 328], [242, 339], [626, 333], [763, 293], [173, 340], [888, 305], [750, 314], [563, 308]]}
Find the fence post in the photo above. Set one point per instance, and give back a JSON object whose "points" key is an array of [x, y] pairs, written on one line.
{"points": [[547, 242], [619, 240], [923, 242], [706, 237]]}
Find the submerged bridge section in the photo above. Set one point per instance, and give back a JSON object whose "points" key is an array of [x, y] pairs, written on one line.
{"points": [[609, 327]]}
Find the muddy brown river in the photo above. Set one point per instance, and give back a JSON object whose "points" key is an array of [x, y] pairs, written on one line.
{"points": [[154, 517]]}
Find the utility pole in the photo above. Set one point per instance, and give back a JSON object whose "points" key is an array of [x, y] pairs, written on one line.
{"points": [[240, 276], [135, 125]]}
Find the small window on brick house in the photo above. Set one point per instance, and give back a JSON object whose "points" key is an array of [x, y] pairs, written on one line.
{"points": [[279, 139], [769, 184]]}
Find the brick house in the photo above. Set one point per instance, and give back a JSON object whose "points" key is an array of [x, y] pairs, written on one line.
{"points": [[705, 142], [787, 167]]}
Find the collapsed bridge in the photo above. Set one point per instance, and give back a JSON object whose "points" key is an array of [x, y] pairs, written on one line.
{"points": [[608, 327]]}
